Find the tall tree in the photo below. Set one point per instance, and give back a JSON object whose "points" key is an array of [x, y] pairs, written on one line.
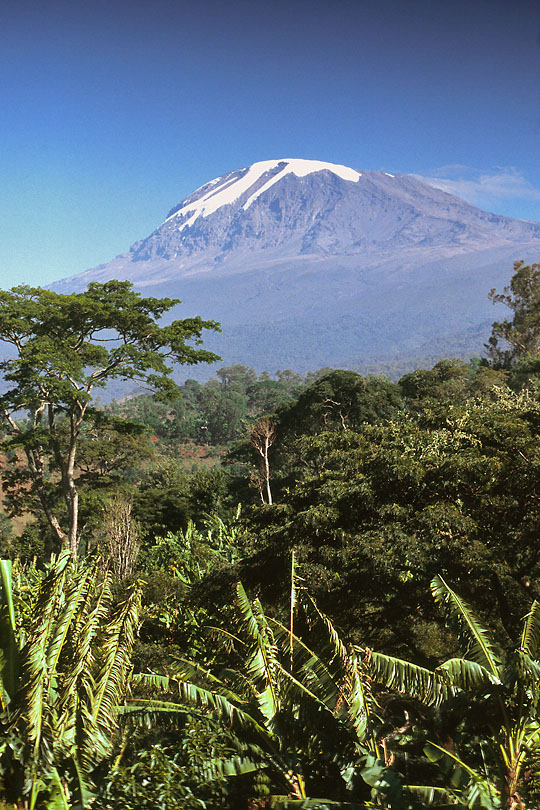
{"points": [[262, 437], [518, 338], [66, 346]]}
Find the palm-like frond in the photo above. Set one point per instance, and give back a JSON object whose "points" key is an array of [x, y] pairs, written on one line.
{"points": [[190, 696], [313, 670], [464, 675], [9, 651], [528, 670], [337, 681], [293, 601], [475, 788], [348, 676], [111, 679], [361, 704], [191, 671], [433, 795], [37, 677], [262, 667], [340, 653], [530, 637], [407, 678], [74, 675], [6, 568], [76, 594], [473, 637], [59, 797], [77, 693]]}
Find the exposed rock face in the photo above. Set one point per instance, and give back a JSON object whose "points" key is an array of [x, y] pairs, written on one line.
{"points": [[309, 264]]}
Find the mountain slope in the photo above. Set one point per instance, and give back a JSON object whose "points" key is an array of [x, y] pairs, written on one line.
{"points": [[309, 264]]}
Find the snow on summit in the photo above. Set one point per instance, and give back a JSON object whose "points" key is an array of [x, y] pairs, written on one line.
{"points": [[256, 179]]}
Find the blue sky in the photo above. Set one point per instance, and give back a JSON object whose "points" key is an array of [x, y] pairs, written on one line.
{"points": [[112, 112]]}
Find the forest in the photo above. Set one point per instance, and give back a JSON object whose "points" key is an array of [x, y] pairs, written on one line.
{"points": [[266, 590]]}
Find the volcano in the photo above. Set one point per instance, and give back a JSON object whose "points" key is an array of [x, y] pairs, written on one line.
{"points": [[309, 264]]}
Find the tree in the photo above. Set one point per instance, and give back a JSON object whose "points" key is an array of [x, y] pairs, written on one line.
{"points": [[382, 510], [520, 336], [222, 413], [262, 436], [65, 347], [236, 378], [340, 400], [449, 382]]}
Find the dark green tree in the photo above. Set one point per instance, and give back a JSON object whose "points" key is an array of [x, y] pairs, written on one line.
{"points": [[222, 412], [340, 400], [65, 347], [236, 378], [449, 382], [381, 510]]}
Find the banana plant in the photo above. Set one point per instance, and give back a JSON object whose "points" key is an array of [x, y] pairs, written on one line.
{"points": [[505, 688], [9, 646], [63, 679], [292, 710]]}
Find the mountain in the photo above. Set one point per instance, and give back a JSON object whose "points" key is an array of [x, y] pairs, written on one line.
{"points": [[308, 264]]}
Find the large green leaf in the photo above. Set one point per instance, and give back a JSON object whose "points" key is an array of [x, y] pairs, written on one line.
{"points": [[262, 667], [433, 795], [7, 592], [465, 675], [530, 637], [75, 670], [320, 676], [111, 680], [472, 635], [9, 649], [58, 795], [407, 678], [476, 789], [191, 695]]}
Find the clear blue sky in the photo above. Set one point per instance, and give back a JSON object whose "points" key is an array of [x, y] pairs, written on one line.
{"points": [[113, 111]]}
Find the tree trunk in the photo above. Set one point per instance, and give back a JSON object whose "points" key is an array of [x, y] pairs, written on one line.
{"points": [[262, 438]]}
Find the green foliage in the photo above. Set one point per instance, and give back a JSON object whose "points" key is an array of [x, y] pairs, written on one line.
{"points": [[302, 715], [336, 401], [65, 347], [217, 412], [519, 338], [167, 498], [6, 534], [378, 489], [381, 510], [449, 382], [502, 692], [175, 772], [340, 400], [177, 610], [67, 671]]}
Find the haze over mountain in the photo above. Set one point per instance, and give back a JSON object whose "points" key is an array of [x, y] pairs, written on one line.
{"points": [[308, 264]]}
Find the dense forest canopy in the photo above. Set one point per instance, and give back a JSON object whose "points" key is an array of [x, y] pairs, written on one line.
{"points": [[291, 591]]}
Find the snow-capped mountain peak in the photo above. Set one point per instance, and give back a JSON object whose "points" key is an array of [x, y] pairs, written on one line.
{"points": [[309, 264], [252, 181]]}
